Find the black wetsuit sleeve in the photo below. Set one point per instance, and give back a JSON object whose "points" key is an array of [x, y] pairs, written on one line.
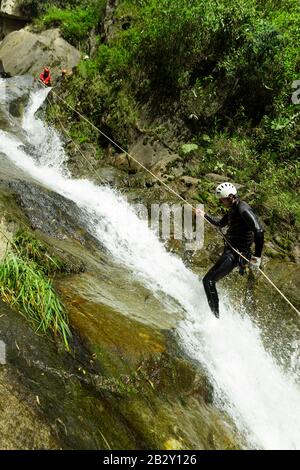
{"points": [[253, 223], [216, 221]]}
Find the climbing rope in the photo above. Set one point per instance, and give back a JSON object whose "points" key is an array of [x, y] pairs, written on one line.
{"points": [[79, 150], [172, 191]]}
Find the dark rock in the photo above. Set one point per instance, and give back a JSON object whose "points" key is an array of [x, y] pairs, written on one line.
{"points": [[190, 181], [216, 177], [3, 74], [50, 212]]}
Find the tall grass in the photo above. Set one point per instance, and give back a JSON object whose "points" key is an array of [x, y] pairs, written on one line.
{"points": [[25, 286], [31, 249]]}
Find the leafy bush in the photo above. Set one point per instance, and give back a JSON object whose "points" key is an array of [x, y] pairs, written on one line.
{"points": [[276, 191], [75, 22], [34, 8]]}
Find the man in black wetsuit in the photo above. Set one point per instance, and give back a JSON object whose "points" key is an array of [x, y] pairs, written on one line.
{"points": [[244, 228]]}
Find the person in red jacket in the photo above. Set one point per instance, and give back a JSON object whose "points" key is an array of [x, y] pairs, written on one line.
{"points": [[45, 77]]}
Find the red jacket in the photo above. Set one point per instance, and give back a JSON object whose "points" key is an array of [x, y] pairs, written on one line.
{"points": [[46, 78]]}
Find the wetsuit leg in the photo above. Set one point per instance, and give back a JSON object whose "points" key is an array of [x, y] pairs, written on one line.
{"points": [[223, 266]]}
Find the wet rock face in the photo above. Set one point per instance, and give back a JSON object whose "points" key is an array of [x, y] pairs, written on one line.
{"points": [[48, 398], [14, 94], [89, 400], [26, 52], [23, 427], [21, 423], [49, 212]]}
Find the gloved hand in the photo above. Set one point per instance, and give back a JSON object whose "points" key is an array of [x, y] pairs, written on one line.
{"points": [[255, 262]]}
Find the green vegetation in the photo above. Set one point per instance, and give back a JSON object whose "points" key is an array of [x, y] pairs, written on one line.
{"points": [[35, 251], [75, 18], [25, 286], [215, 74], [35, 8], [74, 21]]}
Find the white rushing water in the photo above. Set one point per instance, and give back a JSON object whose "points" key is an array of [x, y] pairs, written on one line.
{"points": [[263, 400]]}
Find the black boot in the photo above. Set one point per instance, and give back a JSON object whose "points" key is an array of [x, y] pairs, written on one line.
{"points": [[212, 295], [215, 312]]}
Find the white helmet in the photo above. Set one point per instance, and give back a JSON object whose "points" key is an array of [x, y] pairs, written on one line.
{"points": [[225, 189]]}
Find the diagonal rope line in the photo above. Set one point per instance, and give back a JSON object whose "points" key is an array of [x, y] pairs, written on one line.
{"points": [[172, 191], [78, 148]]}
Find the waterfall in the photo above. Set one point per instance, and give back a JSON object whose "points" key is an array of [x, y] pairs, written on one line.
{"points": [[261, 397]]}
